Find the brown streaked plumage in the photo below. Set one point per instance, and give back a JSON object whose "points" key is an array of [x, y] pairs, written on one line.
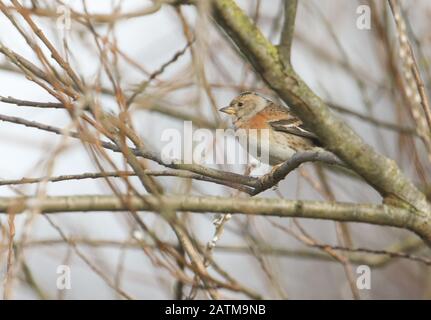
{"points": [[287, 134]]}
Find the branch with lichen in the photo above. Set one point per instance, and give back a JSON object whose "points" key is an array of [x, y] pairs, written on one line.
{"points": [[349, 212], [379, 171]]}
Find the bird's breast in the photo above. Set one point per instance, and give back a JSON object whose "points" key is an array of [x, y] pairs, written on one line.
{"points": [[267, 146]]}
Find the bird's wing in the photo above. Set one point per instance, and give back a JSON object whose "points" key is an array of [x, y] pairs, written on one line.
{"points": [[293, 126]]}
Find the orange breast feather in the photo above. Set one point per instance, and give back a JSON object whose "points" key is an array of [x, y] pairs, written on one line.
{"points": [[259, 121]]}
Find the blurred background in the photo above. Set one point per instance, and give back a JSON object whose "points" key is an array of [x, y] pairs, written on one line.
{"points": [[185, 68]]}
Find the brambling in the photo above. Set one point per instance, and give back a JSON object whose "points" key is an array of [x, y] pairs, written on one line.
{"points": [[287, 134]]}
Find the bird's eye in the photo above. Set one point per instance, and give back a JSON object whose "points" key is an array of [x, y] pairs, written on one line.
{"points": [[240, 104]]}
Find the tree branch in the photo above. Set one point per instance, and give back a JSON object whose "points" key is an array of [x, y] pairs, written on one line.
{"points": [[380, 172], [123, 174], [373, 257], [280, 172], [285, 47], [349, 212], [247, 184], [27, 103], [373, 121]]}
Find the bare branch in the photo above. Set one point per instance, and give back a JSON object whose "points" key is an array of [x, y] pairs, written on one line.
{"points": [[374, 121], [285, 47], [380, 172], [367, 213], [280, 172], [27, 103]]}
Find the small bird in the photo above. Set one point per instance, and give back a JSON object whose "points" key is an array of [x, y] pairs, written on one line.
{"points": [[287, 134]]}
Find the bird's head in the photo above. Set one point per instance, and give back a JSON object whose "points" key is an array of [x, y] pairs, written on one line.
{"points": [[246, 105]]}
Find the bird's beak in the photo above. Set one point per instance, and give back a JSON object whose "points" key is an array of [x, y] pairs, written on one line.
{"points": [[228, 110]]}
